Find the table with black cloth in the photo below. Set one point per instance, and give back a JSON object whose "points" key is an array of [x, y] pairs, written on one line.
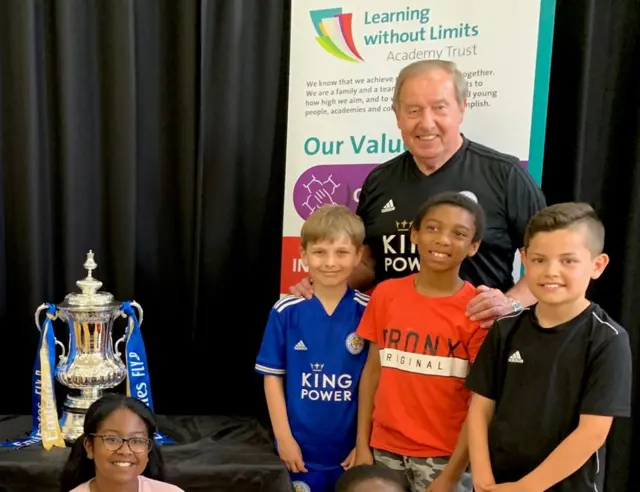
{"points": [[211, 454]]}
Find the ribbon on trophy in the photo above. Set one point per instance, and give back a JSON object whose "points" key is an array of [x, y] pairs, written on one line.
{"points": [[45, 426], [138, 379]]}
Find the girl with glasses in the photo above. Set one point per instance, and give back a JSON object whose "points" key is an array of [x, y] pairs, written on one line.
{"points": [[117, 452]]}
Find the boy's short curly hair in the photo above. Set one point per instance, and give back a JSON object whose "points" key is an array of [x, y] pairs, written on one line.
{"points": [[457, 199]]}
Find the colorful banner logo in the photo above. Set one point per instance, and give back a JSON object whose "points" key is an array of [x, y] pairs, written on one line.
{"points": [[335, 34]]}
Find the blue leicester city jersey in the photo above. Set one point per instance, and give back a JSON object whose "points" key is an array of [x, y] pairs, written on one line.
{"points": [[321, 359]]}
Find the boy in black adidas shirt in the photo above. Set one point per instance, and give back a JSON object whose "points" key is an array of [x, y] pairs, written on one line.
{"points": [[548, 381]]}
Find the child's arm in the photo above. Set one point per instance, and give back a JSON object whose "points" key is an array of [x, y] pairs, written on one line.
{"points": [[457, 464], [366, 393], [459, 459], [287, 446], [483, 381], [570, 455], [369, 328], [272, 364], [274, 392], [480, 415]]}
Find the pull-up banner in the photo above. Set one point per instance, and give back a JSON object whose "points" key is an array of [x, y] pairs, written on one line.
{"points": [[345, 57]]}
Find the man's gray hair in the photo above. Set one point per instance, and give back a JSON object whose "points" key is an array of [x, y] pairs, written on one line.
{"points": [[424, 66]]}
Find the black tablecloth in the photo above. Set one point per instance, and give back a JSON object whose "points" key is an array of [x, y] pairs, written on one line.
{"points": [[214, 454]]}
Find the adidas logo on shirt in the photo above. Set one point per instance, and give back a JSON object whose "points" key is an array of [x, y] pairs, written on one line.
{"points": [[300, 346], [389, 207], [516, 358]]}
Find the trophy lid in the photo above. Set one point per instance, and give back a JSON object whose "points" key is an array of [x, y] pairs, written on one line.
{"points": [[90, 296]]}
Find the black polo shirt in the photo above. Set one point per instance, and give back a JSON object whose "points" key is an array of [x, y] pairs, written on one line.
{"points": [[394, 191], [542, 380]]}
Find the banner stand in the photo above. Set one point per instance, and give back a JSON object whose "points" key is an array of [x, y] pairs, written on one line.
{"points": [[343, 64]]}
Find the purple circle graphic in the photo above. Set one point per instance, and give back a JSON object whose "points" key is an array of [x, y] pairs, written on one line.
{"points": [[329, 183]]}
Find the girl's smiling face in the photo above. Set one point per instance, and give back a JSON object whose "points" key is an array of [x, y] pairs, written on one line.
{"points": [[119, 448]]}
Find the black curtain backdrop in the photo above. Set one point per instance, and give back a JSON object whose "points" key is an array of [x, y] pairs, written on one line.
{"points": [[153, 133]]}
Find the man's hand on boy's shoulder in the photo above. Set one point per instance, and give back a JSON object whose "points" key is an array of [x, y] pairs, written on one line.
{"points": [[304, 288], [488, 305]]}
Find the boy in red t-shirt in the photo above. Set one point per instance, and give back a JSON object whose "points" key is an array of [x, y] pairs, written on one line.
{"points": [[412, 399]]}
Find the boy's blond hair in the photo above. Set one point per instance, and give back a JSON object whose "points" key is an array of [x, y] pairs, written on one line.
{"points": [[331, 222]]}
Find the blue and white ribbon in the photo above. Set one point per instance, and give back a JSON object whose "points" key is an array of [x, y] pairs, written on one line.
{"points": [[138, 379], [45, 427]]}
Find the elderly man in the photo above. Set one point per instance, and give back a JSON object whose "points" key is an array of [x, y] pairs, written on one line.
{"points": [[429, 103]]}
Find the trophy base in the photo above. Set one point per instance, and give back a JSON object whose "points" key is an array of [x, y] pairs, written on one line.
{"points": [[73, 414]]}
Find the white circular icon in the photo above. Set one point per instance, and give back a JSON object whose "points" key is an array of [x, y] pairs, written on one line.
{"points": [[470, 195]]}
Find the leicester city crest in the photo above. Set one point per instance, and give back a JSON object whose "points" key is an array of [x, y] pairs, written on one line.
{"points": [[299, 486], [355, 343]]}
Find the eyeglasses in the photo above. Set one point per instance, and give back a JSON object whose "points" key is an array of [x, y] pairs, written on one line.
{"points": [[114, 443]]}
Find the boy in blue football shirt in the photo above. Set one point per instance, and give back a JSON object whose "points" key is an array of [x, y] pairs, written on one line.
{"points": [[312, 358]]}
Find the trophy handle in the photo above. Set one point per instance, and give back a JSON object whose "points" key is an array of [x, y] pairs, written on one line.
{"points": [[120, 314], [120, 340], [41, 308], [140, 311], [123, 337]]}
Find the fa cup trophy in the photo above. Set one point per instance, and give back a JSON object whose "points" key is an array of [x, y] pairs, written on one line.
{"points": [[91, 363]]}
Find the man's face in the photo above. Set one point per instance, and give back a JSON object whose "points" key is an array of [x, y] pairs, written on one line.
{"points": [[429, 117]]}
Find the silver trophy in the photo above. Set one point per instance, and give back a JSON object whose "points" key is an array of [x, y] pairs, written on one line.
{"points": [[92, 363]]}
